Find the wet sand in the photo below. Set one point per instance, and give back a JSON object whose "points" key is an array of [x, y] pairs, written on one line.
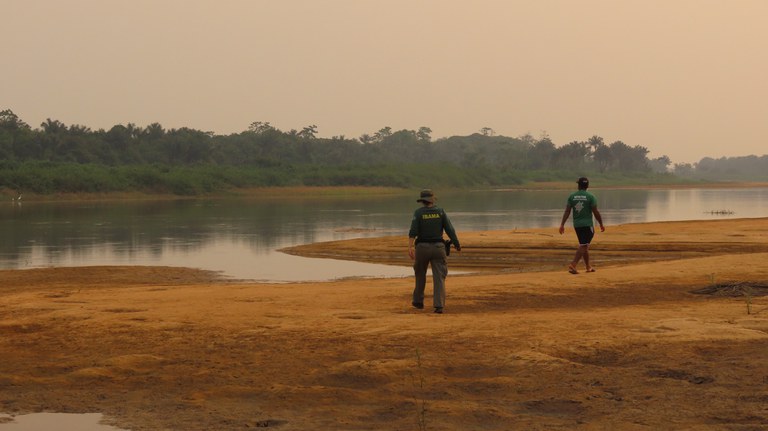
{"points": [[522, 345]]}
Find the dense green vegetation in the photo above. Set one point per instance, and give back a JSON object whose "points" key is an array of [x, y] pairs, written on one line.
{"points": [[56, 158]]}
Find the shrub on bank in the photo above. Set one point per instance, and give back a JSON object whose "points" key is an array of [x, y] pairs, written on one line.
{"points": [[190, 180]]}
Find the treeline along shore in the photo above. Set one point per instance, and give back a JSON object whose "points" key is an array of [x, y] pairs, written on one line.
{"points": [[56, 158]]}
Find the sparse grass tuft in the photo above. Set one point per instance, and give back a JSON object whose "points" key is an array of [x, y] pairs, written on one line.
{"points": [[745, 289], [419, 399]]}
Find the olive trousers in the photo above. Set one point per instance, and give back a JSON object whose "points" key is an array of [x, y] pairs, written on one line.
{"points": [[430, 253]]}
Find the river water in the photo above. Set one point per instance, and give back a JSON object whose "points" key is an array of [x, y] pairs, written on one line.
{"points": [[240, 237]]}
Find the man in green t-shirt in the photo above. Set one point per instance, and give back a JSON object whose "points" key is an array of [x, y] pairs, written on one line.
{"points": [[584, 205], [426, 247]]}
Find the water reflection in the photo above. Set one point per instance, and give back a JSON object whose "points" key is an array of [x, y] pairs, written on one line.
{"points": [[706, 204], [239, 237]]}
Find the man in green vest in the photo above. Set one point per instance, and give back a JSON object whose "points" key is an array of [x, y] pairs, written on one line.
{"points": [[584, 206], [426, 247]]}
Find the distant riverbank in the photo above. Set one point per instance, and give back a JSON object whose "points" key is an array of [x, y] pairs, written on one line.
{"points": [[346, 191]]}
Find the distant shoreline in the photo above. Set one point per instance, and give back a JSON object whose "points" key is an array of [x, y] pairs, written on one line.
{"points": [[349, 191], [568, 185]]}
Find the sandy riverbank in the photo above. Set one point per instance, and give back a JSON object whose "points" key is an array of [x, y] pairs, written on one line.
{"points": [[523, 344]]}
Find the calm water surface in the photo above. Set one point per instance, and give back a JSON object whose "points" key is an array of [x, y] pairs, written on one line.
{"points": [[240, 237]]}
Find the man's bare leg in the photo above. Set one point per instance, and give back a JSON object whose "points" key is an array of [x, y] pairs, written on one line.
{"points": [[585, 256], [580, 252]]}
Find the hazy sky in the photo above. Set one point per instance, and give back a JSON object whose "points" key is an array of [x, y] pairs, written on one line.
{"points": [[683, 78]]}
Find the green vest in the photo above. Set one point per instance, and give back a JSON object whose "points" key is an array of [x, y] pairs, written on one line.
{"points": [[428, 224]]}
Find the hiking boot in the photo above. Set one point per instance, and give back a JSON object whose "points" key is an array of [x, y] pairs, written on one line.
{"points": [[419, 305]]}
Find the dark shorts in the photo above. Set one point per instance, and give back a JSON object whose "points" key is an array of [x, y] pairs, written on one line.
{"points": [[585, 234]]}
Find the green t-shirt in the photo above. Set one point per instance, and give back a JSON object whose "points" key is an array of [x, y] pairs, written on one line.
{"points": [[581, 203]]}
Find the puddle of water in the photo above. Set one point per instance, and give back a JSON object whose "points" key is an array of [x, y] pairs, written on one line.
{"points": [[54, 422]]}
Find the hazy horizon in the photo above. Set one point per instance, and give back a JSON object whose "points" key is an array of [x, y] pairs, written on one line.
{"points": [[682, 78]]}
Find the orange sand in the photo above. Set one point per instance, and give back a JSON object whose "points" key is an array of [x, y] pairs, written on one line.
{"points": [[523, 344]]}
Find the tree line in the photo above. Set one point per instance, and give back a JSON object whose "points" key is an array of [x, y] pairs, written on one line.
{"points": [[743, 168], [264, 145], [57, 157]]}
